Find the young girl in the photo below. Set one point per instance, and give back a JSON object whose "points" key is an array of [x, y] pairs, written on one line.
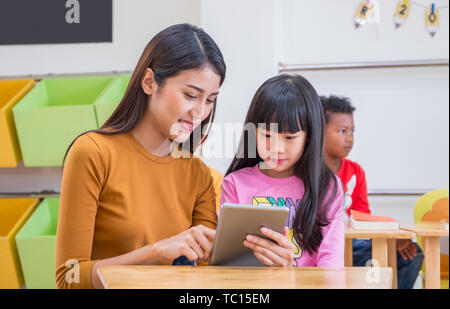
{"points": [[129, 195], [281, 164]]}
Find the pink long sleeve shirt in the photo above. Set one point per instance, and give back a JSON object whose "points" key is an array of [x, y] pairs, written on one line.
{"points": [[251, 186]]}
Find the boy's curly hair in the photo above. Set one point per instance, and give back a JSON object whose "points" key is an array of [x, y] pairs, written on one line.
{"points": [[335, 104]]}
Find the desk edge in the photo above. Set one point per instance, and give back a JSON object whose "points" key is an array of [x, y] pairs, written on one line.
{"points": [[426, 233], [387, 268], [102, 279]]}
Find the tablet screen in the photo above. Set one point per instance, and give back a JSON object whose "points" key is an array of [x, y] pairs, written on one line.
{"points": [[235, 223]]}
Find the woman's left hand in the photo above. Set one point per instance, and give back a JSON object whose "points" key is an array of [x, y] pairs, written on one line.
{"points": [[277, 253]]}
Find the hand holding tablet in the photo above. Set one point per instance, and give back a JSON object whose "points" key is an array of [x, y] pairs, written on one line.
{"points": [[275, 250], [239, 223]]}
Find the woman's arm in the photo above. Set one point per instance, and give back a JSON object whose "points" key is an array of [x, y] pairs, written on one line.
{"points": [[143, 256], [83, 179], [193, 243]]}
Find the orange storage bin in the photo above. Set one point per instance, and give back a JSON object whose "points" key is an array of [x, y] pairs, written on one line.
{"points": [[11, 92], [14, 212]]}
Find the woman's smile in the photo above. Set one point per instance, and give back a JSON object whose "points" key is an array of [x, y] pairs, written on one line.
{"points": [[188, 125]]}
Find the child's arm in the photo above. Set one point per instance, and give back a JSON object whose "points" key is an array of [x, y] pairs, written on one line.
{"points": [[331, 250], [229, 193], [360, 196]]}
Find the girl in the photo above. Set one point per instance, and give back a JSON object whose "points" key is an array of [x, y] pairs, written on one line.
{"points": [[285, 167], [130, 196]]}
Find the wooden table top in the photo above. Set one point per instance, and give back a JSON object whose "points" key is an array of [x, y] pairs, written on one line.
{"points": [[387, 234], [216, 277], [426, 228]]}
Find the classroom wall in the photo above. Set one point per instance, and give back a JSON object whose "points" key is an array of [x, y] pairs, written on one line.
{"points": [[247, 33]]}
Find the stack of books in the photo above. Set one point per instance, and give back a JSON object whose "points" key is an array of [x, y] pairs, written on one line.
{"points": [[363, 221]]}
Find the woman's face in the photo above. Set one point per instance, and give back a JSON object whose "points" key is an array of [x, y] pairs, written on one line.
{"points": [[179, 105]]}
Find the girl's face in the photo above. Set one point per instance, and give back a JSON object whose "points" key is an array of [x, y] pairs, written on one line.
{"points": [[182, 102], [280, 151]]}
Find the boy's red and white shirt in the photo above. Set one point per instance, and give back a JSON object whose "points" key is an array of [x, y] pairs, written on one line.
{"points": [[355, 186]]}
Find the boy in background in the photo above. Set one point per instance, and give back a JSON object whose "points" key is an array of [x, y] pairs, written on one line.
{"points": [[338, 142]]}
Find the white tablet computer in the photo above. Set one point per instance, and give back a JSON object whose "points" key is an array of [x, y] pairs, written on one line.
{"points": [[235, 223]]}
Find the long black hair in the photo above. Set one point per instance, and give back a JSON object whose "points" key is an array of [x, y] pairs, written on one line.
{"points": [[292, 102], [173, 50]]}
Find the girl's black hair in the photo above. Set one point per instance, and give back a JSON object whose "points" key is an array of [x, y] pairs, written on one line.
{"points": [[292, 103], [173, 50]]}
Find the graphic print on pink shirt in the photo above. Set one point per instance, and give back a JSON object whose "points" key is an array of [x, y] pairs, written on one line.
{"points": [[287, 202]]}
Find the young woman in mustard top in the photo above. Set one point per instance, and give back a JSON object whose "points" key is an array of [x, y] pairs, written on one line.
{"points": [[126, 198]]}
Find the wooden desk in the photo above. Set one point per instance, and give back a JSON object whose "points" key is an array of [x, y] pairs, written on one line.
{"points": [[430, 232], [384, 247], [214, 277]]}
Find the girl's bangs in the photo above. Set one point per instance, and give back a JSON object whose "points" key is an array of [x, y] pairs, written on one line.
{"points": [[286, 113]]}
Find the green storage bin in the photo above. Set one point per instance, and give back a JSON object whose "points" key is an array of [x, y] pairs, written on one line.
{"points": [[110, 99], [36, 244], [53, 114]]}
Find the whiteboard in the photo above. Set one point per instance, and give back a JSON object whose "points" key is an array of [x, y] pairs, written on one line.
{"points": [[322, 31], [402, 117], [402, 123]]}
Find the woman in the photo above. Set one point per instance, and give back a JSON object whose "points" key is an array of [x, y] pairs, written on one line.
{"points": [[130, 195]]}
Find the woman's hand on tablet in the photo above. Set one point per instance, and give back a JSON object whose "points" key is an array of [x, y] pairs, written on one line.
{"points": [[279, 252], [194, 244]]}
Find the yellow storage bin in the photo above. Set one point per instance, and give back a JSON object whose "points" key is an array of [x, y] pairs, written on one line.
{"points": [[14, 212], [11, 92]]}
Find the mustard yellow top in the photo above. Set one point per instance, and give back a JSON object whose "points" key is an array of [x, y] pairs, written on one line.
{"points": [[217, 180], [117, 197]]}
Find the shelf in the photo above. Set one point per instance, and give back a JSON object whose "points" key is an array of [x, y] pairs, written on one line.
{"points": [[42, 194], [285, 67], [39, 77]]}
